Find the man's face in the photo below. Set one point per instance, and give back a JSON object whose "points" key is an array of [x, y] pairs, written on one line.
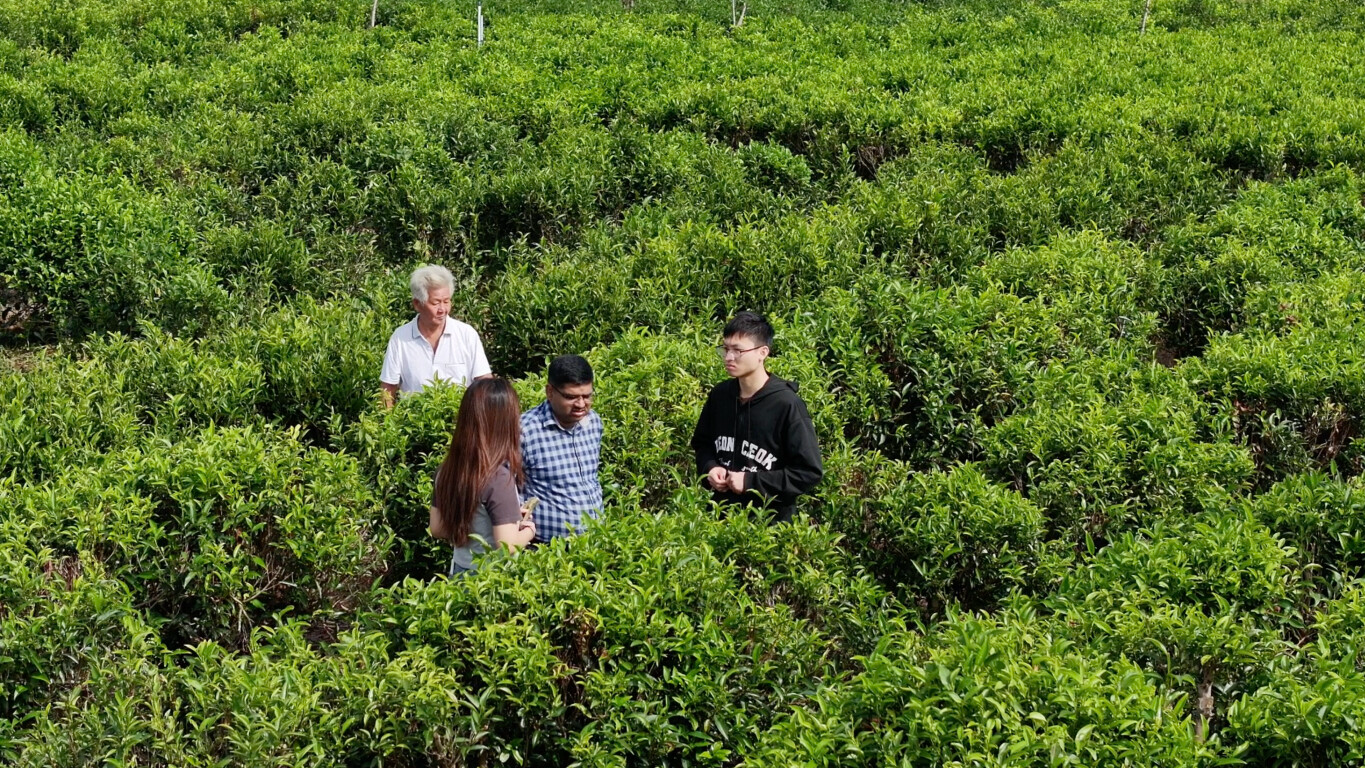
{"points": [[570, 402], [743, 355], [433, 311]]}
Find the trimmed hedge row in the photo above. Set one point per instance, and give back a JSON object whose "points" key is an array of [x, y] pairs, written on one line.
{"points": [[287, 151], [673, 638], [1075, 313], [216, 534], [1004, 691]]}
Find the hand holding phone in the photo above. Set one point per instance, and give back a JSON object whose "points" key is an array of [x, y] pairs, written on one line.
{"points": [[527, 507]]}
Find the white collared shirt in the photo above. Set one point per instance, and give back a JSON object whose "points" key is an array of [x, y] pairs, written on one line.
{"points": [[411, 364]]}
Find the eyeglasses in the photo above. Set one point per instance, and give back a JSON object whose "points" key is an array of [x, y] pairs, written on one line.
{"points": [[585, 399], [726, 352]]}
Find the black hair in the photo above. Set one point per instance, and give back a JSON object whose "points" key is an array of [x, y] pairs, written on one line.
{"points": [[569, 370], [750, 324]]}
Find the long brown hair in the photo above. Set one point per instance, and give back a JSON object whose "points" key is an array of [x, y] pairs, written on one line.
{"points": [[487, 435]]}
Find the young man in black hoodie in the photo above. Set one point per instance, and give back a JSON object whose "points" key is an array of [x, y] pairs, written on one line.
{"points": [[754, 442]]}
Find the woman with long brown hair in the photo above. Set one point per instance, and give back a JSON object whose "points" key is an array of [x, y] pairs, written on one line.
{"points": [[476, 505]]}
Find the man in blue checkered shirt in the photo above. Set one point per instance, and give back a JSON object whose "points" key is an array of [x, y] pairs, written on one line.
{"points": [[561, 448]]}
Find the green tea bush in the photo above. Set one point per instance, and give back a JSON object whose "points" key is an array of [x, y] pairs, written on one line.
{"points": [[262, 256], [502, 153], [1321, 519], [1109, 444], [856, 384], [941, 538], [794, 565], [1133, 186], [60, 614], [291, 704], [1291, 392], [277, 526], [650, 638], [1075, 312], [928, 211], [94, 252], [1198, 602], [125, 710], [651, 390], [318, 361], [55, 414], [399, 452], [64, 28], [220, 532], [303, 366], [1004, 691], [178, 385], [956, 357], [1270, 235], [941, 211], [1117, 279], [213, 706], [555, 186], [1306, 713], [541, 658], [556, 305], [666, 276]]}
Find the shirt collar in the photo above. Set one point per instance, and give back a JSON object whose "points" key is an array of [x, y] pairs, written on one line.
{"points": [[417, 330]]}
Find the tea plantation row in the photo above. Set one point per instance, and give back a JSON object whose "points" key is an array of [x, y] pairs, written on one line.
{"points": [[1078, 314]]}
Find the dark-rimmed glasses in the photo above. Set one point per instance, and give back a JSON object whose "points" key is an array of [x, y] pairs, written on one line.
{"points": [[585, 399]]}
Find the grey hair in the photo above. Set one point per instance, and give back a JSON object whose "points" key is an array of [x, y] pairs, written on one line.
{"points": [[429, 276]]}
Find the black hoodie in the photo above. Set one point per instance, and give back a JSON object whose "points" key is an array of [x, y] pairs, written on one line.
{"points": [[771, 436]]}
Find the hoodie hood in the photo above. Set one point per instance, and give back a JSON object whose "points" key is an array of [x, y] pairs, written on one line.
{"points": [[773, 385]]}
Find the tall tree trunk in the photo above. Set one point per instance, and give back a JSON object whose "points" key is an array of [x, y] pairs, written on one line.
{"points": [[1146, 12]]}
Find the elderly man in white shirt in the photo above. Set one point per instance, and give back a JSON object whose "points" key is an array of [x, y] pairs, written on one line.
{"points": [[434, 345]]}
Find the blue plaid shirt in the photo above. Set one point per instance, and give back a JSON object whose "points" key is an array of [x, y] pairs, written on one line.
{"points": [[561, 470]]}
